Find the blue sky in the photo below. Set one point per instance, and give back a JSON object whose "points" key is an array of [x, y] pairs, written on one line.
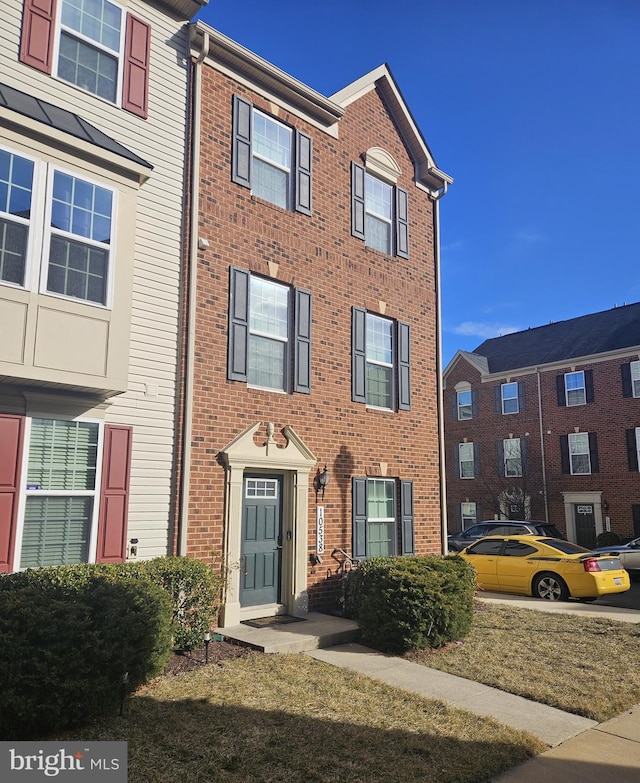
{"points": [[532, 106]]}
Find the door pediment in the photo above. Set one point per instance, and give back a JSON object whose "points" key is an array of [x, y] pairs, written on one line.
{"points": [[243, 451]]}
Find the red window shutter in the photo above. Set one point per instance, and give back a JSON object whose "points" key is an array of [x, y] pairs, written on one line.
{"points": [[135, 89], [11, 440], [114, 495], [36, 45]]}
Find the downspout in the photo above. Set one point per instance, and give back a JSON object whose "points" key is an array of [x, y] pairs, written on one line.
{"points": [[440, 390], [542, 456], [187, 427]]}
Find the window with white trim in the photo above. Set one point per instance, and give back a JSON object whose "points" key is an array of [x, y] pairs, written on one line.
{"points": [[378, 199], [268, 334], [512, 457], [579, 453], [379, 361], [575, 388], [56, 230], [468, 514], [90, 46], [464, 405], [61, 504], [466, 460], [638, 445], [381, 517], [271, 176], [509, 396], [635, 378]]}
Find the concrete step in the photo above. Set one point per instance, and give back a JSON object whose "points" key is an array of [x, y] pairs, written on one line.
{"points": [[311, 633]]}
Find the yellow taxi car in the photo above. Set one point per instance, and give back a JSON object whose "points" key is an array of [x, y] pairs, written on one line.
{"points": [[545, 568]]}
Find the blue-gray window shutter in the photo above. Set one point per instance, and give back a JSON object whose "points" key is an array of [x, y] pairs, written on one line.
{"points": [[402, 223], [476, 460], [454, 406], [478, 512], [359, 518], [456, 460], [564, 454], [241, 150], [627, 386], [358, 355], [500, 457], [404, 366], [562, 400], [588, 385], [474, 403], [304, 163], [238, 324], [632, 449], [635, 515], [357, 200], [524, 456], [406, 515], [520, 396], [593, 452], [302, 352], [457, 512], [498, 398]]}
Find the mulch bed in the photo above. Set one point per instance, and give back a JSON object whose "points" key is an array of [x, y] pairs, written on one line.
{"points": [[219, 652]]}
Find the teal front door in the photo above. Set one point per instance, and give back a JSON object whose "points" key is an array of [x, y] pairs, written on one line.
{"points": [[261, 541]]}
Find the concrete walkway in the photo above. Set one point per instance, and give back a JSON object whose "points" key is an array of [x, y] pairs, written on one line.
{"points": [[581, 751]]}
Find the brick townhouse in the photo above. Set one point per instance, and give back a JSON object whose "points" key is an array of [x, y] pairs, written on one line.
{"points": [[545, 424], [310, 381]]}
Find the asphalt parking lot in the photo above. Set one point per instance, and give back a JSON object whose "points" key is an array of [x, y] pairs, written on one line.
{"points": [[628, 600]]}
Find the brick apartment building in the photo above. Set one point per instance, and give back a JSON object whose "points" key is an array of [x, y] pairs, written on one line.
{"points": [[311, 323], [545, 424]]}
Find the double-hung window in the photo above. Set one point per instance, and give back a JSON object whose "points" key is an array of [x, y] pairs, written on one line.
{"points": [[61, 482], [512, 457], [379, 522], [94, 45], [270, 158], [579, 453], [379, 213], [16, 190], [381, 360], [90, 45], [468, 514], [59, 242], [630, 379], [633, 448], [510, 398], [464, 405], [575, 388], [64, 494], [466, 460], [269, 333]]}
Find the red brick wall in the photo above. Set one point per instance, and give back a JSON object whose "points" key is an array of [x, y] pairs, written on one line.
{"points": [[318, 254], [609, 415]]}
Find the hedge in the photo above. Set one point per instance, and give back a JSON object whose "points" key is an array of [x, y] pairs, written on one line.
{"points": [[409, 603]]}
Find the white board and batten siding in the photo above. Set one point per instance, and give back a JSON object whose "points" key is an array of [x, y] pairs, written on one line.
{"points": [[149, 405]]}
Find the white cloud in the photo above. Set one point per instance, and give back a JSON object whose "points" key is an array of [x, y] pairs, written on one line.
{"points": [[485, 330]]}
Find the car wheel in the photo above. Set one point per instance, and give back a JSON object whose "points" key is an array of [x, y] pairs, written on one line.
{"points": [[550, 587]]}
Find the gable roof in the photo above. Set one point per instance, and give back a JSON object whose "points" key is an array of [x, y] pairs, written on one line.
{"points": [[587, 335], [427, 172], [62, 120]]}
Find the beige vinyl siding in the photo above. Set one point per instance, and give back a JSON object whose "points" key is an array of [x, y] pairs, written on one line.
{"points": [[154, 342]]}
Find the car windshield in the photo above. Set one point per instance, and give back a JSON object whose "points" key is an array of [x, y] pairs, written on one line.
{"points": [[567, 547]]}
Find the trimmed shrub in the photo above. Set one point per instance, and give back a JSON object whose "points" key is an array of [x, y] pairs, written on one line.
{"points": [[608, 538], [194, 589], [72, 643], [408, 603]]}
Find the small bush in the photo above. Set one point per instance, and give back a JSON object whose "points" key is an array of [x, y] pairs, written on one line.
{"points": [[408, 603], [68, 639], [608, 538]]}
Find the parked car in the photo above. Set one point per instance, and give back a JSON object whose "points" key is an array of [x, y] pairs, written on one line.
{"points": [[501, 527], [544, 567], [629, 555]]}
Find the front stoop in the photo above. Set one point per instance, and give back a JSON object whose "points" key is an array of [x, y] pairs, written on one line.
{"points": [[314, 632]]}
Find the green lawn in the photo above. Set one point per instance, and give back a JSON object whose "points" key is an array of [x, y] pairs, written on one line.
{"points": [[585, 665]]}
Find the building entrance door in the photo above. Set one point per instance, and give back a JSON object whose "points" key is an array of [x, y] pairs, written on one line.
{"points": [[261, 541], [585, 521]]}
